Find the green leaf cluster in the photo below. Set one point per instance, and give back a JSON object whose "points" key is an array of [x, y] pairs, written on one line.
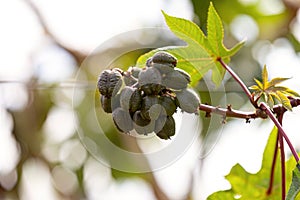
{"points": [[270, 91], [246, 186], [202, 51]]}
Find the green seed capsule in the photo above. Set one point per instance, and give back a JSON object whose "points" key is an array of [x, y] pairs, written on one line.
{"points": [[155, 111], [141, 125], [152, 89], [168, 104], [159, 123], [163, 69], [149, 76], [122, 120], [106, 104], [147, 103], [135, 71], [139, 120], [115, 102], [131, 76], [188, 100], [131, 99], [125, 97], [129, 80], [109, 104], [135, 101], [149, 62], [109, 82], [168, 129], [175, 80], [147, 89], [150, 81], [164, 58], [185, 74]]}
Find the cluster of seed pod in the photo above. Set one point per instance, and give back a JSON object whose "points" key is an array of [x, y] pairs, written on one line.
{"points": [[145, 99]]}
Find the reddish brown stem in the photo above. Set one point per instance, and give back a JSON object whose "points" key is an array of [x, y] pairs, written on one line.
{"points": [[238, 80], [280, 129], [269, 191], [229, 112], [282, 155]]}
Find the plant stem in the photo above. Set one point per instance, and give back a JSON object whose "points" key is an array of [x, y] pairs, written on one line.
{"points": [[269, 191], [228, 112], [238, 80], [283, 179], [282, 155], [280, 129]]}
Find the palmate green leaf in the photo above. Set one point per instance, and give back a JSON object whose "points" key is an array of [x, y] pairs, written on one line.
{"points": [[201, 52], [254, 186], [294, 189]]}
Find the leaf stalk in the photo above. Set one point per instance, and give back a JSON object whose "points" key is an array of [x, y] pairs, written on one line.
{"points": [[239, 81], [268, 111]]}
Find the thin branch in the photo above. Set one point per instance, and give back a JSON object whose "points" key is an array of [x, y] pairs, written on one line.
{"points": [[229, 112], [268, 111], [238, 80], [78, 55]]}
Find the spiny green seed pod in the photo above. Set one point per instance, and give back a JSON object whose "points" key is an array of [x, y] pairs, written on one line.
{"points": [[122, 120], [168, 104], [106, 104], [188, 100], [168, 129], [175, 80], [164, 58], [141, 125], [185, 74], [147, 103], [109, 82]]}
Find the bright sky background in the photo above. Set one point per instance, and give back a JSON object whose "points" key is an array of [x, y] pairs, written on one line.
{"points": [[84, 25]]}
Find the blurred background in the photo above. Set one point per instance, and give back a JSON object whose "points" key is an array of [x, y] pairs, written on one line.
{"points": [[50, 116]]}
